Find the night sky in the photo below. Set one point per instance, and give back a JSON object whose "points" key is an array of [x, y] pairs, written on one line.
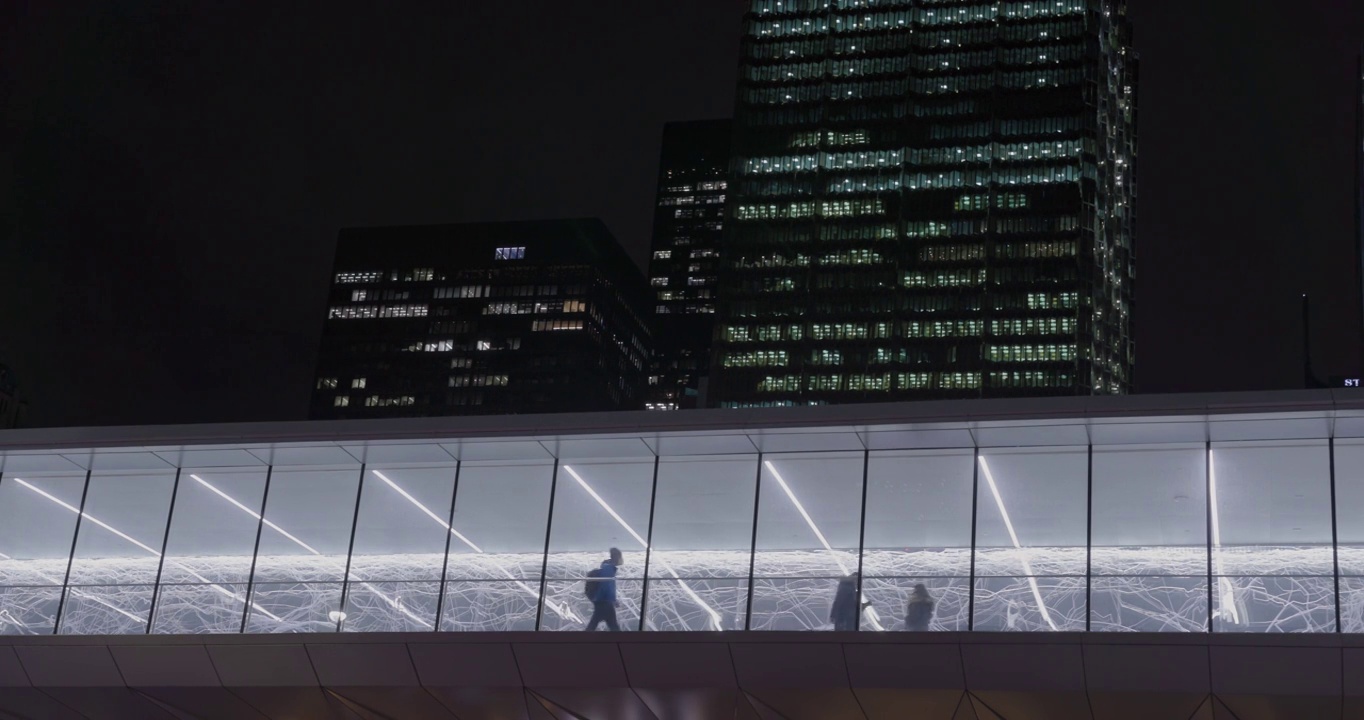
{"points": [[173, 175]]}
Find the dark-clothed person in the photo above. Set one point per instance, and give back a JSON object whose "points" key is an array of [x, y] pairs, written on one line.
{"points": [[843, 613], [920, 609], [604, 595]]}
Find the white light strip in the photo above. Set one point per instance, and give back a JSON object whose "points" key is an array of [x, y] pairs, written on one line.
{"points": [[1224, 586], [255, 515], [715, 618], [1008, 524], [872, 615], [563, 612]]}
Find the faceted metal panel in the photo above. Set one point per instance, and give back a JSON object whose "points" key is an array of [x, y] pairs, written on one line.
{"points": [[30, 702], [880, 704], [919, 666], [409, 703], [165, 666], [570, 665], [1147, 669], [204, 702], [1293, 671], [803, 665], [70, 666], [691, 704], [363, 665], [679, 665], [1032, 667], [465, 665], [263, 665]]}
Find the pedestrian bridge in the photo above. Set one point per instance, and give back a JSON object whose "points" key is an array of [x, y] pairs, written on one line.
{"points": [[1190, 524]]}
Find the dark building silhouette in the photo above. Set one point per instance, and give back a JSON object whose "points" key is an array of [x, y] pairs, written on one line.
{"points": [[489, 318], [684, 268], [929, 200], [12, 410]]}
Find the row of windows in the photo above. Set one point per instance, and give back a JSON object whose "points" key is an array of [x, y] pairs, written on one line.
{"points": [[871, 382], [943, 85], [760, 358], [365, 312], [530, 308], [389, 401], [1002, 201], [794, 210], [901, 64], [944, 278], [796, 46], [1030, 353], [544, 325], [478, 381], [903, 18]]}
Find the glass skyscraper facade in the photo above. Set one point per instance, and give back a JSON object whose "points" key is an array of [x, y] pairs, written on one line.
{"points": [[693, 176], [929, 199]]}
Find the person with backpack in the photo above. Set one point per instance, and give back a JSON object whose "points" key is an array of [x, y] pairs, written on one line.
{"points": [[600, 588], [920, 609], [843, 611]]}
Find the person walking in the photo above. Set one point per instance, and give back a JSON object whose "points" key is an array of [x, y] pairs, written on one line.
{"points": [[920, 609], [601, 586]]}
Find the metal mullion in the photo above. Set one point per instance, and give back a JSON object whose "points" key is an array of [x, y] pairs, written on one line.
{"points": [[1335, 537], [165, 541], [648, 549], [971, 582], [753, 543], [1207, 502], [350, 549], [71, 556], [445, 561], [255, 552], [1089, 543], [862, 538], [544, 559]]}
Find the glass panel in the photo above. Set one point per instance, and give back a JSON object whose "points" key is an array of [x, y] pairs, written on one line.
{"points": [[106, 610], [1150, 511], [294, 607], [1350, 506], [949, 598], [400, 537], [28, 610], [1149, 604], [303, 546], [703, 532], [918, 533], [390, 606], [501, 515], [209, 550], [1271, 516], [189, 609], [598, 506], [1275, 605], [492, 606], [1031, 520], [809, 526], [1352, 604], [37, 530], [1030, 604], [118, 552]]}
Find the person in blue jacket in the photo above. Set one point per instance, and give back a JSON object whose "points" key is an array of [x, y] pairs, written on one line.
{"points": [[604, 597]]}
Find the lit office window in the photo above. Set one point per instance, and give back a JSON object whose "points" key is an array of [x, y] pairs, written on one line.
{"points": [[509, 253]]}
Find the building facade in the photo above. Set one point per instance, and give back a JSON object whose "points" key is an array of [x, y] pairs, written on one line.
{"points": [[684, 266], [929, 200], [488, 318], [386, 558]]}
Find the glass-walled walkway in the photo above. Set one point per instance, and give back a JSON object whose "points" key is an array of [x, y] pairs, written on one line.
{"points": [[1136, 528]]}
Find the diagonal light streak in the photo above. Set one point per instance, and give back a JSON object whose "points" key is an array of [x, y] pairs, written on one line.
{"points": [[564, 612], [222, 590], [394, 603], [714, 616], [872, 616], [1023, 556], [1224, 586]]}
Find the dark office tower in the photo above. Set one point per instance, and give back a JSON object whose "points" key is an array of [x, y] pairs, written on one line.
{"points": [[12, 410], [482, 319], [929, 200], [684, 268]]}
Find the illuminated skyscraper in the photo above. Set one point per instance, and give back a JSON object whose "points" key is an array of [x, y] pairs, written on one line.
{"points": [[482, 319], [692, 172], [929, 199]]}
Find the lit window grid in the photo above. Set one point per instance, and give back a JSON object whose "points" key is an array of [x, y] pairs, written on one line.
{"points": [[1055, 568]]}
